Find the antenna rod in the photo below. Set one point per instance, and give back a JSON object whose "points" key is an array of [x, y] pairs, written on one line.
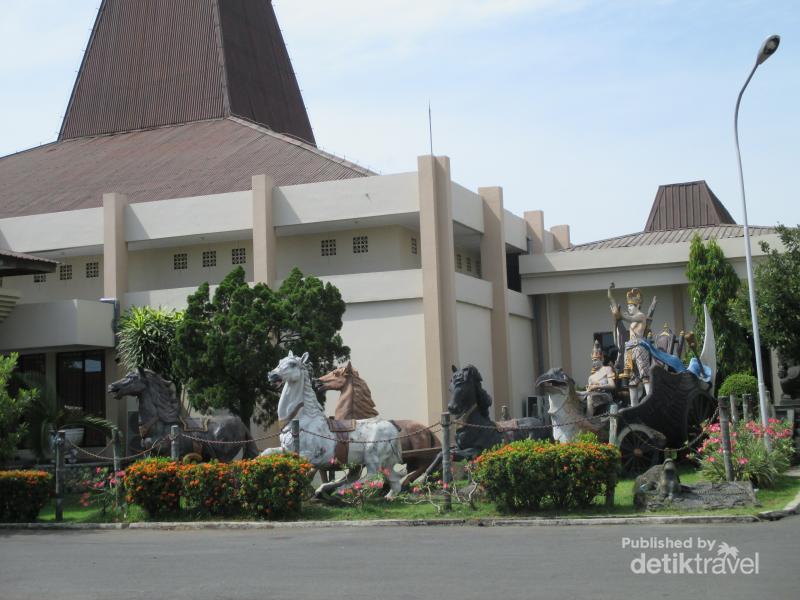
{"points": [[430, 126]]}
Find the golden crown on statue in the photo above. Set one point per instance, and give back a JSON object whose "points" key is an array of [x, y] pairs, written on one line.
{"points": [[634, 296]]}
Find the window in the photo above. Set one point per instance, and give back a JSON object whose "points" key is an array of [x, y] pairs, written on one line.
{"points": [[65, 272], [360, 244], [238, 256], [469, 265], [458, 262], [81, 382], [413, 245], [180, 261], [92, 270], [40, 278], [209, 258], [478, 267], [327, 248]]}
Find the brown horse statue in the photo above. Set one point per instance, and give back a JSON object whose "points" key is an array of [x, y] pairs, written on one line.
{"points": [[355, 402]]}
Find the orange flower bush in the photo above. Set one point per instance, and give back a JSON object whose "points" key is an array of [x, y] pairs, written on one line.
{"points": [[23, 494], [529, 474], [209, 489], [154, 485], [271, 487]]}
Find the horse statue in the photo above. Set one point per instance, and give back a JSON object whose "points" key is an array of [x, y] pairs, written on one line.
{"points": [[566, 406], [355, 402], [369, 442], [469, 404], [159, 410]]}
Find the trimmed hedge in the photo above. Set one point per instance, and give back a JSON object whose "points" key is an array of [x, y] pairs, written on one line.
{"points": [[271, 487], [739, 384], [23, 494], [530, 474], [209, 489], [154, 485], [268, 487]]}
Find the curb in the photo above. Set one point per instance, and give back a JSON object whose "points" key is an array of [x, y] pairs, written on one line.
{"points": [[793, 508]]}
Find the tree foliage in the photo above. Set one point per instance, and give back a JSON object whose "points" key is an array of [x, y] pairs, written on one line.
{"points": [[145, 340], [12, 409], [226, 345], [713, 282], [777, 281]]}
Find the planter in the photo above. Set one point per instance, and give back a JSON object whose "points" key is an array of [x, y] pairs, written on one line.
{"points": [[74, 435]]}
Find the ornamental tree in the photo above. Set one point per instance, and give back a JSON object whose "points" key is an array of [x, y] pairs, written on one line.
{"points": [[145, 340], [713, 282], [226, 345], [12, 410], [777, 279]]}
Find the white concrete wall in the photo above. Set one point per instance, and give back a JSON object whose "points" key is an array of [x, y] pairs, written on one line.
{"points": [[154, 269], [389, 249], [467, 207], [53, 231], [53, 288], [475, 340], [54, 324], [468, 261], [520, 330], [387, 347]]}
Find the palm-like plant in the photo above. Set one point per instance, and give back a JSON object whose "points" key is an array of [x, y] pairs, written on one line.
{"points": [[726, 550], [145, 340]]}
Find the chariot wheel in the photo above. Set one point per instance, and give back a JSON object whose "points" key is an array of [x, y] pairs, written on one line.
{"points": [[640, 448], [701, 409]]}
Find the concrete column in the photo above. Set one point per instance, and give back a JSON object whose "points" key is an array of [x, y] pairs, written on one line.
{"points": [[535, 221], [438, 279], [560, 236], [493, 261], [264, 239], [115, 284]]}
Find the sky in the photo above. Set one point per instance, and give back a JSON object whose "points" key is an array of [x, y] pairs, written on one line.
{"points": [[579, 108]]}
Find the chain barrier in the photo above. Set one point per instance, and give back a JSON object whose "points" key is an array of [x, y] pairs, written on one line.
{"points": [[430, 428], [121, 458], [687, 446], [495, 427], [224, 443]]}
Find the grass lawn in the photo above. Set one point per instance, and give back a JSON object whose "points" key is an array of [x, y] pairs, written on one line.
{"points": [[771, 499]]}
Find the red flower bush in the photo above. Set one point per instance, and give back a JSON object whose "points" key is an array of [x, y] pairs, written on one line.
{"points": [[209, 489], [23, 494], [530, 474], [271, 487], [154, 485]]}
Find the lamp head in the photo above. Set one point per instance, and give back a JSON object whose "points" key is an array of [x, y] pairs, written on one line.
{"points": [[768, 48]]}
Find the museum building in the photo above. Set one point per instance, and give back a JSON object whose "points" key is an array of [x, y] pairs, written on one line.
{"points": [[186, 150]]}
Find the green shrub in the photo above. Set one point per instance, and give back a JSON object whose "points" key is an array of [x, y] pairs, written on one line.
{"points": [[209, 489], [530, 474], [749, 457], [154, 485], [272, 487], [739, 384], [23, 494], [12, 409]]}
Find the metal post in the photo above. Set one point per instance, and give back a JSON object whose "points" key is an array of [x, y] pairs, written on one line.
{"points": [[734, 410], [726, 437], [446, 469], [116, 438], [611, 486], [173, 436], [746, 407], [60, 441], [296, 436], [612, 424]]}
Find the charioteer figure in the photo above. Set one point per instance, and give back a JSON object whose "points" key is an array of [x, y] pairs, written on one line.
{"points": [[636, 366]]}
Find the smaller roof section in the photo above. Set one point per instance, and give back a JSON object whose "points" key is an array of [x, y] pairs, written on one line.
{"points": [[685, 206], [15, 263]]}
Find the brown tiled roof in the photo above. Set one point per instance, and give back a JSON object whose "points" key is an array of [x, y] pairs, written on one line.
{"points": [[151, 63], [16, 263], [673, 236], [681, 205], [204, 157]]}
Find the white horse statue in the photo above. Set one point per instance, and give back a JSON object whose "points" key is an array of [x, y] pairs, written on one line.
{"points": [[372, 442]]}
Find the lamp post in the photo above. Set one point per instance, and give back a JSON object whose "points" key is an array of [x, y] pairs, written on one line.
{"points": [[768, 48]]}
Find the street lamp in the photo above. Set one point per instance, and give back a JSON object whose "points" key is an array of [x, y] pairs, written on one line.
{"points": [[768, 48]]}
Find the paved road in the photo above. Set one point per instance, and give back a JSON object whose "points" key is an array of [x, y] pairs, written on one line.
{"points": [[585, 562]]}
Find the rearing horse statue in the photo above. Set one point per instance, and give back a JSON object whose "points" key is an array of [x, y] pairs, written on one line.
{"points": [[159, 410]]}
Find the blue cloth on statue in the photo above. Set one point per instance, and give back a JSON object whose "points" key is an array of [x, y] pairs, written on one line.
{"points": [[673, 362], [700, 371]]}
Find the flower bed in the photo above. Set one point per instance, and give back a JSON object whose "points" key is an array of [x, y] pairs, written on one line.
{"points": [[530, 474], [23, 494], [154, 485], [271, 487], [209, 489], [749, 457]]}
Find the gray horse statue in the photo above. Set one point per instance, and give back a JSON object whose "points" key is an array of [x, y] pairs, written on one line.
{"points": [[159, 410]]}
